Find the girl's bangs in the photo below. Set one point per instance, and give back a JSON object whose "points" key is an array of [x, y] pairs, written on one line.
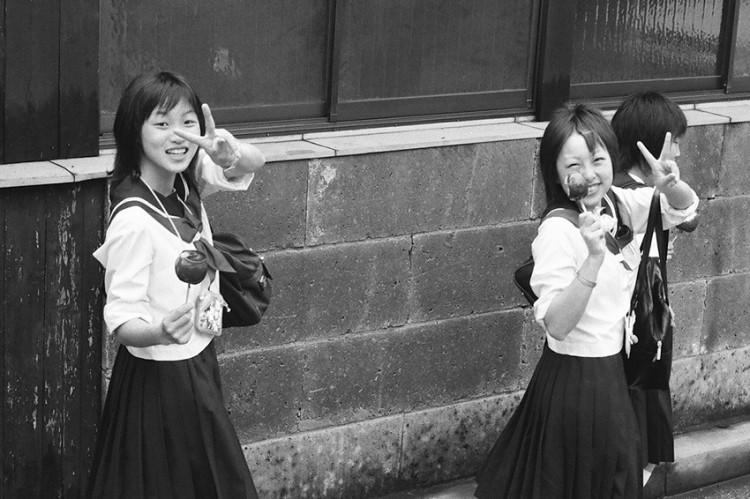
{"points": [[173, 95], [592, 139]]}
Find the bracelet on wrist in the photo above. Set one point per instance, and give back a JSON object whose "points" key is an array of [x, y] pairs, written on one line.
{"points": [[584, 281]]}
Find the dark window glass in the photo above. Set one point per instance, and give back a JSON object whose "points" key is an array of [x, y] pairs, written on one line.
{"points": [[411, 49], [622, 40], [251, 59]]}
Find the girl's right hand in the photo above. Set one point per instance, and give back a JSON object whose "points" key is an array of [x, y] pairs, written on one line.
{"points": [[592, 232], [177, 325]]}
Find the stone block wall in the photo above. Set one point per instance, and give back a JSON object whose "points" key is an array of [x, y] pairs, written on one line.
{"points": [[397, 346]]}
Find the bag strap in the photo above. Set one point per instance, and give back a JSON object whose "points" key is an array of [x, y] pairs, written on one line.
{"points": [[566, 213], [653, 227]]}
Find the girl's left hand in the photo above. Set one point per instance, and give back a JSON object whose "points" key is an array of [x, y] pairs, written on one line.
{"points": [[665, 171], [220, 145]]}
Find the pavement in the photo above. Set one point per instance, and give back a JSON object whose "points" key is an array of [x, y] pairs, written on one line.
{"points": [[711, 462]]}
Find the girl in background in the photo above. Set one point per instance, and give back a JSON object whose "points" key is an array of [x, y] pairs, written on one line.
{"points": [[574, 434], [165, 431]]}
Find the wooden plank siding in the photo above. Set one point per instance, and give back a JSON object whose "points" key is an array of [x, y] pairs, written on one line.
{"points": [[49, 80], [79, 79], [31, 120], [51, 333]]}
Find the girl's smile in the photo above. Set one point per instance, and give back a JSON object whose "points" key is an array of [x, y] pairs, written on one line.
{"points": [[595, 166], [164, 154]]}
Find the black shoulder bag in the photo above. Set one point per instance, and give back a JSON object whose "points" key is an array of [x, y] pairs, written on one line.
{"points": [[247, 290], [650, 361]]}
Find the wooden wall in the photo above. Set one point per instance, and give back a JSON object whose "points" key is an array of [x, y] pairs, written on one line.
{"points": [[50, 337]]}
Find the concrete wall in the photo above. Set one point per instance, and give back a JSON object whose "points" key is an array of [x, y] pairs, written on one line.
{"points": [[397, 346]]}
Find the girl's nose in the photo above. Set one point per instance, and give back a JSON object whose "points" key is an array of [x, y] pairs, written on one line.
{"points": [[587, 170]]}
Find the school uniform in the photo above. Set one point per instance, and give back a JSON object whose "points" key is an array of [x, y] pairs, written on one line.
{"points": [[165, 431], [574, 434], [653, 407]]}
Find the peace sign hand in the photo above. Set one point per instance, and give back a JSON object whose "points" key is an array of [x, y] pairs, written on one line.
{"points": [[219, 144], [665, 171]]}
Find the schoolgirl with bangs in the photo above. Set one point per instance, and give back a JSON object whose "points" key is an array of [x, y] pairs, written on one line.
{"points": [[165, 432], [574, 433]]}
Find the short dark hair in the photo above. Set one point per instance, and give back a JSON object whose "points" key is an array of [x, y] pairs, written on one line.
{"points": [[646, 116], [144, 93], [565, 121]]}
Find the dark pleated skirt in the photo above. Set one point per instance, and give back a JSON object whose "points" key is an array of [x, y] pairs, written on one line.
{"points": [[573, 436], [166, 434], [653, 412]]}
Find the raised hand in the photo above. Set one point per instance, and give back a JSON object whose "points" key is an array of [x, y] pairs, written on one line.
{"points": [[665, 171], [220, 145], [592, 232]]}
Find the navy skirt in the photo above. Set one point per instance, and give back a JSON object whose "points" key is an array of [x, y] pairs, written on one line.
{"points": [[573, 436], [165, 433]]}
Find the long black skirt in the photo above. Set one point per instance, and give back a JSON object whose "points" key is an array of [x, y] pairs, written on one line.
{"points": [[166, 434], [573, 436], [653, 411]]}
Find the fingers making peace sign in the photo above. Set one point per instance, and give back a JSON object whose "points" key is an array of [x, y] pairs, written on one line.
{"points": [[665, 171], [221, 146]]}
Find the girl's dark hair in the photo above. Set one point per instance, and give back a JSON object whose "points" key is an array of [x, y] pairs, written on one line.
{"points": [[567, 120], [149, 91], [646, 116]]}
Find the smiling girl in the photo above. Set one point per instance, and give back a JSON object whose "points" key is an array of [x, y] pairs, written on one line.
{"points": [[165, 431], [574, 433]]}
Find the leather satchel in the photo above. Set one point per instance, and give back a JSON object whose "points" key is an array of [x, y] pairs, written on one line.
{"points": [[247, 290], [650, 361]]}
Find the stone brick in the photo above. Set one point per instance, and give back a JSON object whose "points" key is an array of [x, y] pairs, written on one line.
{"points": [[413, 367], [453, 441], [271, 213], [700, 160], [539, 196], [263, 391], [734, 178], [357, 460], [719, 244], [710, 387], [468, 271], [532, 344], [727, 319], [379, 195], [330, 291], [688, 302]]}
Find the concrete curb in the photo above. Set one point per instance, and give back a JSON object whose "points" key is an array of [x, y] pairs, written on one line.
{"points": [[706, 456], [703, 456]]}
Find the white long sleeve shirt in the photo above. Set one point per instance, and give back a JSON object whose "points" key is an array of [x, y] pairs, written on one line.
{"points": [[139, 257]]}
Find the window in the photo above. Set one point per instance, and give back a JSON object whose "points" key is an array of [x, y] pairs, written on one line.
{"points": [[331, 60], [277, 66], [626, 45]]}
